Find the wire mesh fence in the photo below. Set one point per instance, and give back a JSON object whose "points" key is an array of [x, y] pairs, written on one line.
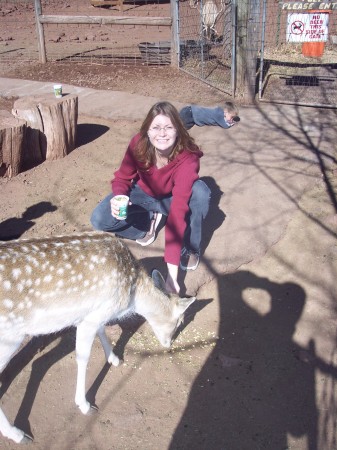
{"points": [[205, 30], [81, 42], [298, 72]]}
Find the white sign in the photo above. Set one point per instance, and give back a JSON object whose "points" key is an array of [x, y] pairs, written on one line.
{"points": [[311, 27]]}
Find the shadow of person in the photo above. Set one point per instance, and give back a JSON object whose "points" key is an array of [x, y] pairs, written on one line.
{"points": [[14, 227], [88, 132], [254, 388]]}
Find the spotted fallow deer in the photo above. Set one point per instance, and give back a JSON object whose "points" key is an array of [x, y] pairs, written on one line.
{"points": [[85, 281]]}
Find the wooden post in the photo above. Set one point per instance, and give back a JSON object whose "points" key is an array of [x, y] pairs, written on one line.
{"points": [[175, 41], [248, 12], [40, 32], [12, 136], [53, 120]]}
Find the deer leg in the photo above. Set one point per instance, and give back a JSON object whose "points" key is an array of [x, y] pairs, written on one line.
{"points": [[85, 335], [7, 349], [109, 354]]}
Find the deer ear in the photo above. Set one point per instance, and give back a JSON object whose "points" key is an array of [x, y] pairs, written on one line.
{"points": [[184, 303], [158, 280]]}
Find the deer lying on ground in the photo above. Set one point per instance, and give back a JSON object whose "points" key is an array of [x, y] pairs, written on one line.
{"points": [[85, 280]]}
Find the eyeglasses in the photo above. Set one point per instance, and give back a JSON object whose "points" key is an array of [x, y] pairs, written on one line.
{"points": [[167, 130]]}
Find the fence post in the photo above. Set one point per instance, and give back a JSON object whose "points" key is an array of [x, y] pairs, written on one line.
{"points": [[247, 45], [40, 32], [175, 46]]}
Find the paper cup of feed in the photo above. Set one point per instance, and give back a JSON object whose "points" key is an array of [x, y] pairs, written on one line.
{"points": [[123, 202], [58, 90]]}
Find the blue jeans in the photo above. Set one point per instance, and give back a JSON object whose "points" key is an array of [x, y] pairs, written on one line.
{"points": [[137, 223], [187, 117]]}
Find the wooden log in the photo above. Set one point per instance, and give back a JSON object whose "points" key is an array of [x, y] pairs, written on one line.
{"points": [[12, 137], [52, 124], [105, 20]]}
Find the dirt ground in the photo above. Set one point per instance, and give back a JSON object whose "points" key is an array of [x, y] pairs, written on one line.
{"points": [[255, 367]]}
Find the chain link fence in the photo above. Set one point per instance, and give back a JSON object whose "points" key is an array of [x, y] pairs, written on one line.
{"points": [[210, 37], [295, 72], [206, 36]]}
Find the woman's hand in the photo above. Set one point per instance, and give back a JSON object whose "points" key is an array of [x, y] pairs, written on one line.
{"points": [[171, 283]]}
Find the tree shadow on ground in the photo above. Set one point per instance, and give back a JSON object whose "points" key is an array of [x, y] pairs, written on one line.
{"points": [[89, 132], [258, 384]]}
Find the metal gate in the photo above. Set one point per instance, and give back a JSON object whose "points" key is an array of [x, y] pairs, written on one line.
{"points": [[207, 41], [297, 73]]}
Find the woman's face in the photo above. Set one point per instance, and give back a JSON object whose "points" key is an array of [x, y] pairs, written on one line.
{"points": [[162, 133]]}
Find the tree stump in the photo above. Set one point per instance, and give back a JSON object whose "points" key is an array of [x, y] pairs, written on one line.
{"points": [[12, 138], [51, 125]]}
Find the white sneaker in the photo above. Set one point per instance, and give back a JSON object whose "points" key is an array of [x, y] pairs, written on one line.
{"points": [[151, 234]]}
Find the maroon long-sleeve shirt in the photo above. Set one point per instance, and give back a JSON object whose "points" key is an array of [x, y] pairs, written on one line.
{"points": [[176, 179]]}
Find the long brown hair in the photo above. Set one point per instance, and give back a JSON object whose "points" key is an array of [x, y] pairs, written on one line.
{"points": [[145, 151]]}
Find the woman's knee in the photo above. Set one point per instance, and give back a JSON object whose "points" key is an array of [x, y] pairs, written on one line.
{"points": [[101, 218], [97, 219], [201, 193]]}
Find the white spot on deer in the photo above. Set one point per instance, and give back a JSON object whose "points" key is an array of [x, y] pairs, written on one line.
{"points": [[7, 285], [2, 267], [33, 261], [20, 287], [60, 284], [16, 273], [25, 248], [8, 303], [94, 259], [58, 244], [65, 256], [91, 266], [60, 271], [37, 281], [68, 266], [28, 269], [21, 305], [48, 278], [86, 283], [37, 294]]}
